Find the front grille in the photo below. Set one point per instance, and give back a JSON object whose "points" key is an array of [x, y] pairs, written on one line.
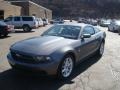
{"points": [[23, 58]]}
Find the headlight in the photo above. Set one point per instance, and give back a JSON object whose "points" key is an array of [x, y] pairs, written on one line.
{"points": [[43, 59]]}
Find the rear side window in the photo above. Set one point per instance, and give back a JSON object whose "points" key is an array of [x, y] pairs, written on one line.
{"points": [[27, 18], [88, 30], [97, 30], [16, 18]]}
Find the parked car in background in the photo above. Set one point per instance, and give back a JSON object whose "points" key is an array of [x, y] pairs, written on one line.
{"points": [[87, 21], [57, 21], [5, 29], [93, 22], [45, 21], [57, 50], [40, 22], [27, 23], [82, 20], [114, 26], [105, 22]]}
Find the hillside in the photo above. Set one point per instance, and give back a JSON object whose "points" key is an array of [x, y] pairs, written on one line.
{"points": [[86, 8]]}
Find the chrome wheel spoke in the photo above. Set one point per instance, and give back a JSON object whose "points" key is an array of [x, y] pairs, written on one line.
{"points": [[67, 67]]}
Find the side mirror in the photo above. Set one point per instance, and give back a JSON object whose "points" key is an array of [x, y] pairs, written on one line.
{"points": [[86, 35]]}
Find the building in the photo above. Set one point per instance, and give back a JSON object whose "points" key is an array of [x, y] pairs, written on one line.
{"points": [[29, 8], [7, 9]]}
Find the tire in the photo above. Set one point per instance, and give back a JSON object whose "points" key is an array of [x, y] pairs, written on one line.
{"points": [[101, 49], [13, 67], [5, 34], [44, 25], [26, 28], [108, 29], [65, 70]]}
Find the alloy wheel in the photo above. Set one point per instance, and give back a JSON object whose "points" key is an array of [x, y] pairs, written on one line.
{"points": [[67, 67], [101, 48]]}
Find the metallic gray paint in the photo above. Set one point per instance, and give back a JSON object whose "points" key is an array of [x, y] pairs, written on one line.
{"points": [[56, 48]]}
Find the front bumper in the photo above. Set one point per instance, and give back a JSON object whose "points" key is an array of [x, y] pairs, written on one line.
{"points": [[104, 25], [48, 68], [114, 28]]}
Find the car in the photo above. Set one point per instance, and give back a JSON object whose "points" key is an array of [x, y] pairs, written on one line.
{"points": [[93, 22], [57, 21], [57, 50], [114, 26], [105, 22], [80, 20], [27, 23], [5, 29], [83, 20], [40, 22], [45, 21]]}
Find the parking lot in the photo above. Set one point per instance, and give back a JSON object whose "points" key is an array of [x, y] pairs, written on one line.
{"points": [[92, 74]]}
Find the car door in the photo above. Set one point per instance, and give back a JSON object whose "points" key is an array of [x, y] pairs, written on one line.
{"points": [[17, 22], [88, 45]]}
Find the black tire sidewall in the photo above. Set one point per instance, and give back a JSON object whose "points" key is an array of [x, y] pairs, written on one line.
{"points": [[28, 28], [5, 34], [59, 74], [98, 52]]}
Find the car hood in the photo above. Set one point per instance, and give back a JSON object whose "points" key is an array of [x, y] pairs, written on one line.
{"points": [[43, 45]]}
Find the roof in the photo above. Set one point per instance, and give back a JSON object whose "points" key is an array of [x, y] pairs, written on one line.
{"points": [[76, 24]]}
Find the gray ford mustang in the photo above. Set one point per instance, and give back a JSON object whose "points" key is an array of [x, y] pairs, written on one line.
{"points": [[57, 50]]}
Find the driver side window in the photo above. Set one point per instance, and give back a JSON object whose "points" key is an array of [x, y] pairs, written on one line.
{"points": [[88, 30]]}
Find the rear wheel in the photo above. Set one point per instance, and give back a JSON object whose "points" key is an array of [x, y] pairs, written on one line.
{"points": [[66, 67], [101, 49], [108, 29], [26, 28], [5, 34]]}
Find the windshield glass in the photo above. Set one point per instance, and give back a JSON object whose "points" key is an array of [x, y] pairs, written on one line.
{"points": [[65, 31]]}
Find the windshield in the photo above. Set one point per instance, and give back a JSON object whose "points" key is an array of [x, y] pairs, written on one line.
{"points": [[65, 31]]}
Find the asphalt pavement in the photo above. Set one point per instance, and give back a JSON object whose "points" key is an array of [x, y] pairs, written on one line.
{"points": [[93, 74]]}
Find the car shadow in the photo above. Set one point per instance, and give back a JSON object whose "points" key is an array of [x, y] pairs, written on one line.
{"points": [[114, 31], [3, 37], [23, 32], [10, 80]]}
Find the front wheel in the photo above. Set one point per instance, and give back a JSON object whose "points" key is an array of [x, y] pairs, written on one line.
{"points": [[66, 67]]}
